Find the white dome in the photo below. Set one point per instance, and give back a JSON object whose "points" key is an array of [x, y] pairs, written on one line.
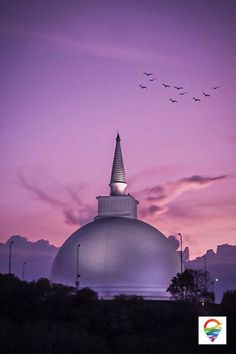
{"points": [[118, 255]]}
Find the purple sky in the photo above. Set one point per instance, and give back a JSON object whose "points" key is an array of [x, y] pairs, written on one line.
{"points": [[70, 75]]}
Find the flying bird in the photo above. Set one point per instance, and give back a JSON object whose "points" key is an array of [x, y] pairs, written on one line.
{"points": [[178, 87], [216, 87], [143, 87], [196, 99], [183, 93], [148, 74], [153, 79], [165, 85], [173, 101], [206, 94]]}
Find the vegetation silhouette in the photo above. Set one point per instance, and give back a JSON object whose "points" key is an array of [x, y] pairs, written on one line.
{"points": [[44, 318], [192, 285]]}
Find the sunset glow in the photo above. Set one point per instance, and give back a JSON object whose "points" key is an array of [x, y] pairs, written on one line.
{"points": [[70, 76]]}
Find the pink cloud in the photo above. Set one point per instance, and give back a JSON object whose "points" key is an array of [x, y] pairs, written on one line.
{"points": [[155, 200], [40, 194], [74, 210], [203, 225]]}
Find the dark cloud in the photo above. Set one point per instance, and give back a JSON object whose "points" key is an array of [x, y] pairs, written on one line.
{"points": [[74, 195], [157, 192], [150, 210], [71, 217], [221, 265], [202, 180], [174, 241], [38, 257], [154, 209], [79, 217], [186, 254]]}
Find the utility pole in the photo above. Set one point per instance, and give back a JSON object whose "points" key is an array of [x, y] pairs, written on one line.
{"points": [[181, 261], [77, 267], [181, 252], [9, 265], [214, 287]]}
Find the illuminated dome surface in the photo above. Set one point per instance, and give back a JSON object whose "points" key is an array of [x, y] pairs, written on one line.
{"points": [[118, 255]]}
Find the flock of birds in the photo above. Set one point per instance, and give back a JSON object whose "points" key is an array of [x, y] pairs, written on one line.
{"points": [[178, 88]]}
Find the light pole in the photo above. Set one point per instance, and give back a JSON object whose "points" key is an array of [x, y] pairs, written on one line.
{"points": [[77, 267], [9, 266], [23, 271], [181, 252], [214, 285]]}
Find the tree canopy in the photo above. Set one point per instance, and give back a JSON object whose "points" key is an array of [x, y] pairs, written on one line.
{"points": [[191, 285], [40, 317]]}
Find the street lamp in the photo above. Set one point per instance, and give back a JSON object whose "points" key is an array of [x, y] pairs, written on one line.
{"points": [[9, 266], [181, 252], [23, 271], [77, 267]]}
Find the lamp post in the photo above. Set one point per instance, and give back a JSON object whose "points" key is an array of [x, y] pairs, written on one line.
{"points": [[23, 271], [181, 252], [214, 285], [77, 267], [9, 265]]}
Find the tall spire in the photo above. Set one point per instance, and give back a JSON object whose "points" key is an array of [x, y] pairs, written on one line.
{"points": [[118, 203], [118, 183]]}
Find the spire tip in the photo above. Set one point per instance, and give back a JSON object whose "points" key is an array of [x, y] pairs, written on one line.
{"points": [[118, 136], [118, 184]]}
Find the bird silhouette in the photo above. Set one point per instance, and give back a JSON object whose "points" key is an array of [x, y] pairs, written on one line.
{"points": [[173, 101], [148, 74], [196, 99], [216, 87], [206, 94], [182, 93], [178, 87], [143, 87], [153, 79], [165, 85]]}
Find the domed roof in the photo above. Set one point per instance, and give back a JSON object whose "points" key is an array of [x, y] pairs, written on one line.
{"points": [[118, 255]]}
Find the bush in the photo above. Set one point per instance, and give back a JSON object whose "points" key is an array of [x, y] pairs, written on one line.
{"points": [[86, 295]]}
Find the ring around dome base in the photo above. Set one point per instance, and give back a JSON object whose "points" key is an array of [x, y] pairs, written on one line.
{"points": [[118, 256]]}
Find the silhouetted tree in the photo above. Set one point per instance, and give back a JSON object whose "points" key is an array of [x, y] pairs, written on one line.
{"points": [[85, 295], [191, 285], [40, 317]]}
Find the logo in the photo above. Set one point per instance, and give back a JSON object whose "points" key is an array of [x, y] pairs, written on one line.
{"points": [[212, 330]]}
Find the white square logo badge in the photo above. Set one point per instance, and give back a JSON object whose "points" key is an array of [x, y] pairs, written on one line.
{"points": [[212, 330]]}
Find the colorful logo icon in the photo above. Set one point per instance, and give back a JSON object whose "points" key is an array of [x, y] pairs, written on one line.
{"points": [[212, 328]]}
